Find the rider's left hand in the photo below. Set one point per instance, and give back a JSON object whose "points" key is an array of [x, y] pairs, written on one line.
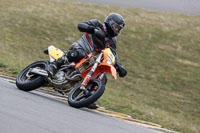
{"points": [[99, 34], [120, 69]]}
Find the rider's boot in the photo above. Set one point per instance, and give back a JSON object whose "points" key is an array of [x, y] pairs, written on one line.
{"points": [[52, 69], [54, 66], [93, 106]]}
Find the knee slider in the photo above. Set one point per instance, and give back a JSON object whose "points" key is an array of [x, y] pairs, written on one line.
{"points": [[75, 55]]}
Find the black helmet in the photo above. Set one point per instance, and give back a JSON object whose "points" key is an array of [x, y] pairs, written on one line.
{"points": [[114, 23]]}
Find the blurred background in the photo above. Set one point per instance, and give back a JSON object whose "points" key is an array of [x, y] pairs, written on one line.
{"points": [[159, 46]]}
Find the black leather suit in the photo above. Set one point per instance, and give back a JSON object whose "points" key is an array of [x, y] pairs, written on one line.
{"points": [[89, 42]]}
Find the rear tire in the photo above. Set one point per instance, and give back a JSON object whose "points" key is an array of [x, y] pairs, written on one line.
{"points": [[36, 81], [86, 101]]}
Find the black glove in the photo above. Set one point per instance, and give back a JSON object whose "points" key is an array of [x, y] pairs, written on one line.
{"points": [[120, 69], [91, 29], [99, 34]]}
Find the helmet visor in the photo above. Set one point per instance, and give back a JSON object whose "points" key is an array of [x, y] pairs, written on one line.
{"points": [[116, 28]]}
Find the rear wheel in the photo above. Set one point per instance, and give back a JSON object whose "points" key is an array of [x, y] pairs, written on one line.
{"points": [[82, 98], [28, 81]]}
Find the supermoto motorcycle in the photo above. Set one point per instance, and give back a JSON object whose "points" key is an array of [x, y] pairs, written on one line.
{"points": [[82, 82]]}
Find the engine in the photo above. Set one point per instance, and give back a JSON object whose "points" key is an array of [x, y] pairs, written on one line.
{"points": [[64, 81]]}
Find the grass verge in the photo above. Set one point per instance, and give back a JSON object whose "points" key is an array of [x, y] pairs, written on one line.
{"points": [[161, 52]]}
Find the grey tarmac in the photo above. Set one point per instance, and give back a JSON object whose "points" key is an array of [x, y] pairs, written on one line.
{"points": [[175, 6], [28, 112]]}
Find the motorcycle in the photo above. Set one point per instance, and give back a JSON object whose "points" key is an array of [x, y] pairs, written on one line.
{"points": [[83, 82]]}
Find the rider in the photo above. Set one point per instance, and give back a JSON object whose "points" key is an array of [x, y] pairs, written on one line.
{"points": [[96, 37]]}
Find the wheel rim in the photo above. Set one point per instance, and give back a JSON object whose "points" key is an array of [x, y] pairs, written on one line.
{"points": [[80, 95], [24, 78]]}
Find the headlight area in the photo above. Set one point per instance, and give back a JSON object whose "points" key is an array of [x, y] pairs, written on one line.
{"points": [[109, 61]]}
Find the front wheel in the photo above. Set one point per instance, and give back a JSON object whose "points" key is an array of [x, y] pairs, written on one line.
{"points": [[27, 81], [82, 98]]}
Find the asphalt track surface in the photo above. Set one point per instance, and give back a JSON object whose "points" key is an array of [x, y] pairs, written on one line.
{"points": [[176, 6], [22, 112]]}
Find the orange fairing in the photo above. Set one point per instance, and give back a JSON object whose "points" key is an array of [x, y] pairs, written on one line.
{"points": [[83, 60], [103, 67]]}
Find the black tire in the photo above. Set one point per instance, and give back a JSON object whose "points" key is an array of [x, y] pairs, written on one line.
{"points": [[35, 82], [86, 101]]}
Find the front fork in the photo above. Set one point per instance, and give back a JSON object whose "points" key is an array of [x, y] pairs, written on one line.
{"points": [[89, 75]]}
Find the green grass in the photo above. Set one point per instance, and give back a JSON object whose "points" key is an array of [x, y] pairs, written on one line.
{"points": [[161, 52]]}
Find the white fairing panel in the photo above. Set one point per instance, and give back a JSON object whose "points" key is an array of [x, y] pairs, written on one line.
{"points": [[51, 58]]}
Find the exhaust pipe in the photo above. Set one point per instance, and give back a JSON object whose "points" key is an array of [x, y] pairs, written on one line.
{"points": [[39, 72]]}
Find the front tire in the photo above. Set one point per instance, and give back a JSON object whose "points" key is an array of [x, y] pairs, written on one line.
{"points": [[34, 81], [79, 98]]}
